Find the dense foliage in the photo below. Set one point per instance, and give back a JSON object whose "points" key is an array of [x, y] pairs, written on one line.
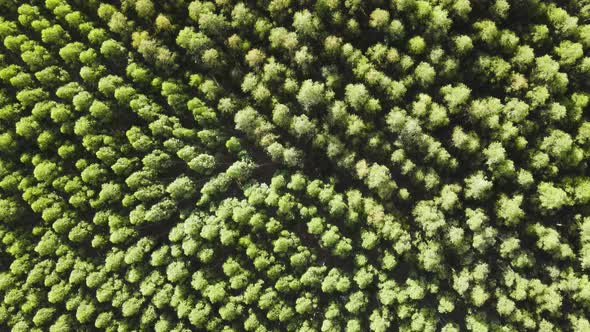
{"points": [[294, 165]]}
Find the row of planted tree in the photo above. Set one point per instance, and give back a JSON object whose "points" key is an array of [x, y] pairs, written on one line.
{"points": [[294, 165]]}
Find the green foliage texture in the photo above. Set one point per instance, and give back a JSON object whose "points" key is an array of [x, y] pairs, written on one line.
{"points": [[294, 165]]}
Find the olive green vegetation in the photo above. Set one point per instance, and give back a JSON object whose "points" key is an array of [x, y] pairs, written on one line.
{"points": [[294, 165]]}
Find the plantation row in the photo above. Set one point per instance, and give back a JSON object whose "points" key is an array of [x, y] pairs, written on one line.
{"points": [[301, 165]]}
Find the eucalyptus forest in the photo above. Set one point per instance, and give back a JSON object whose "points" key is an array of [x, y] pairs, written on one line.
{"points": [[294, 165]]}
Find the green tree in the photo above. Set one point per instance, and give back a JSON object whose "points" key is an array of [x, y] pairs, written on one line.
{"points": [[552, 197], [311, 94]]}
